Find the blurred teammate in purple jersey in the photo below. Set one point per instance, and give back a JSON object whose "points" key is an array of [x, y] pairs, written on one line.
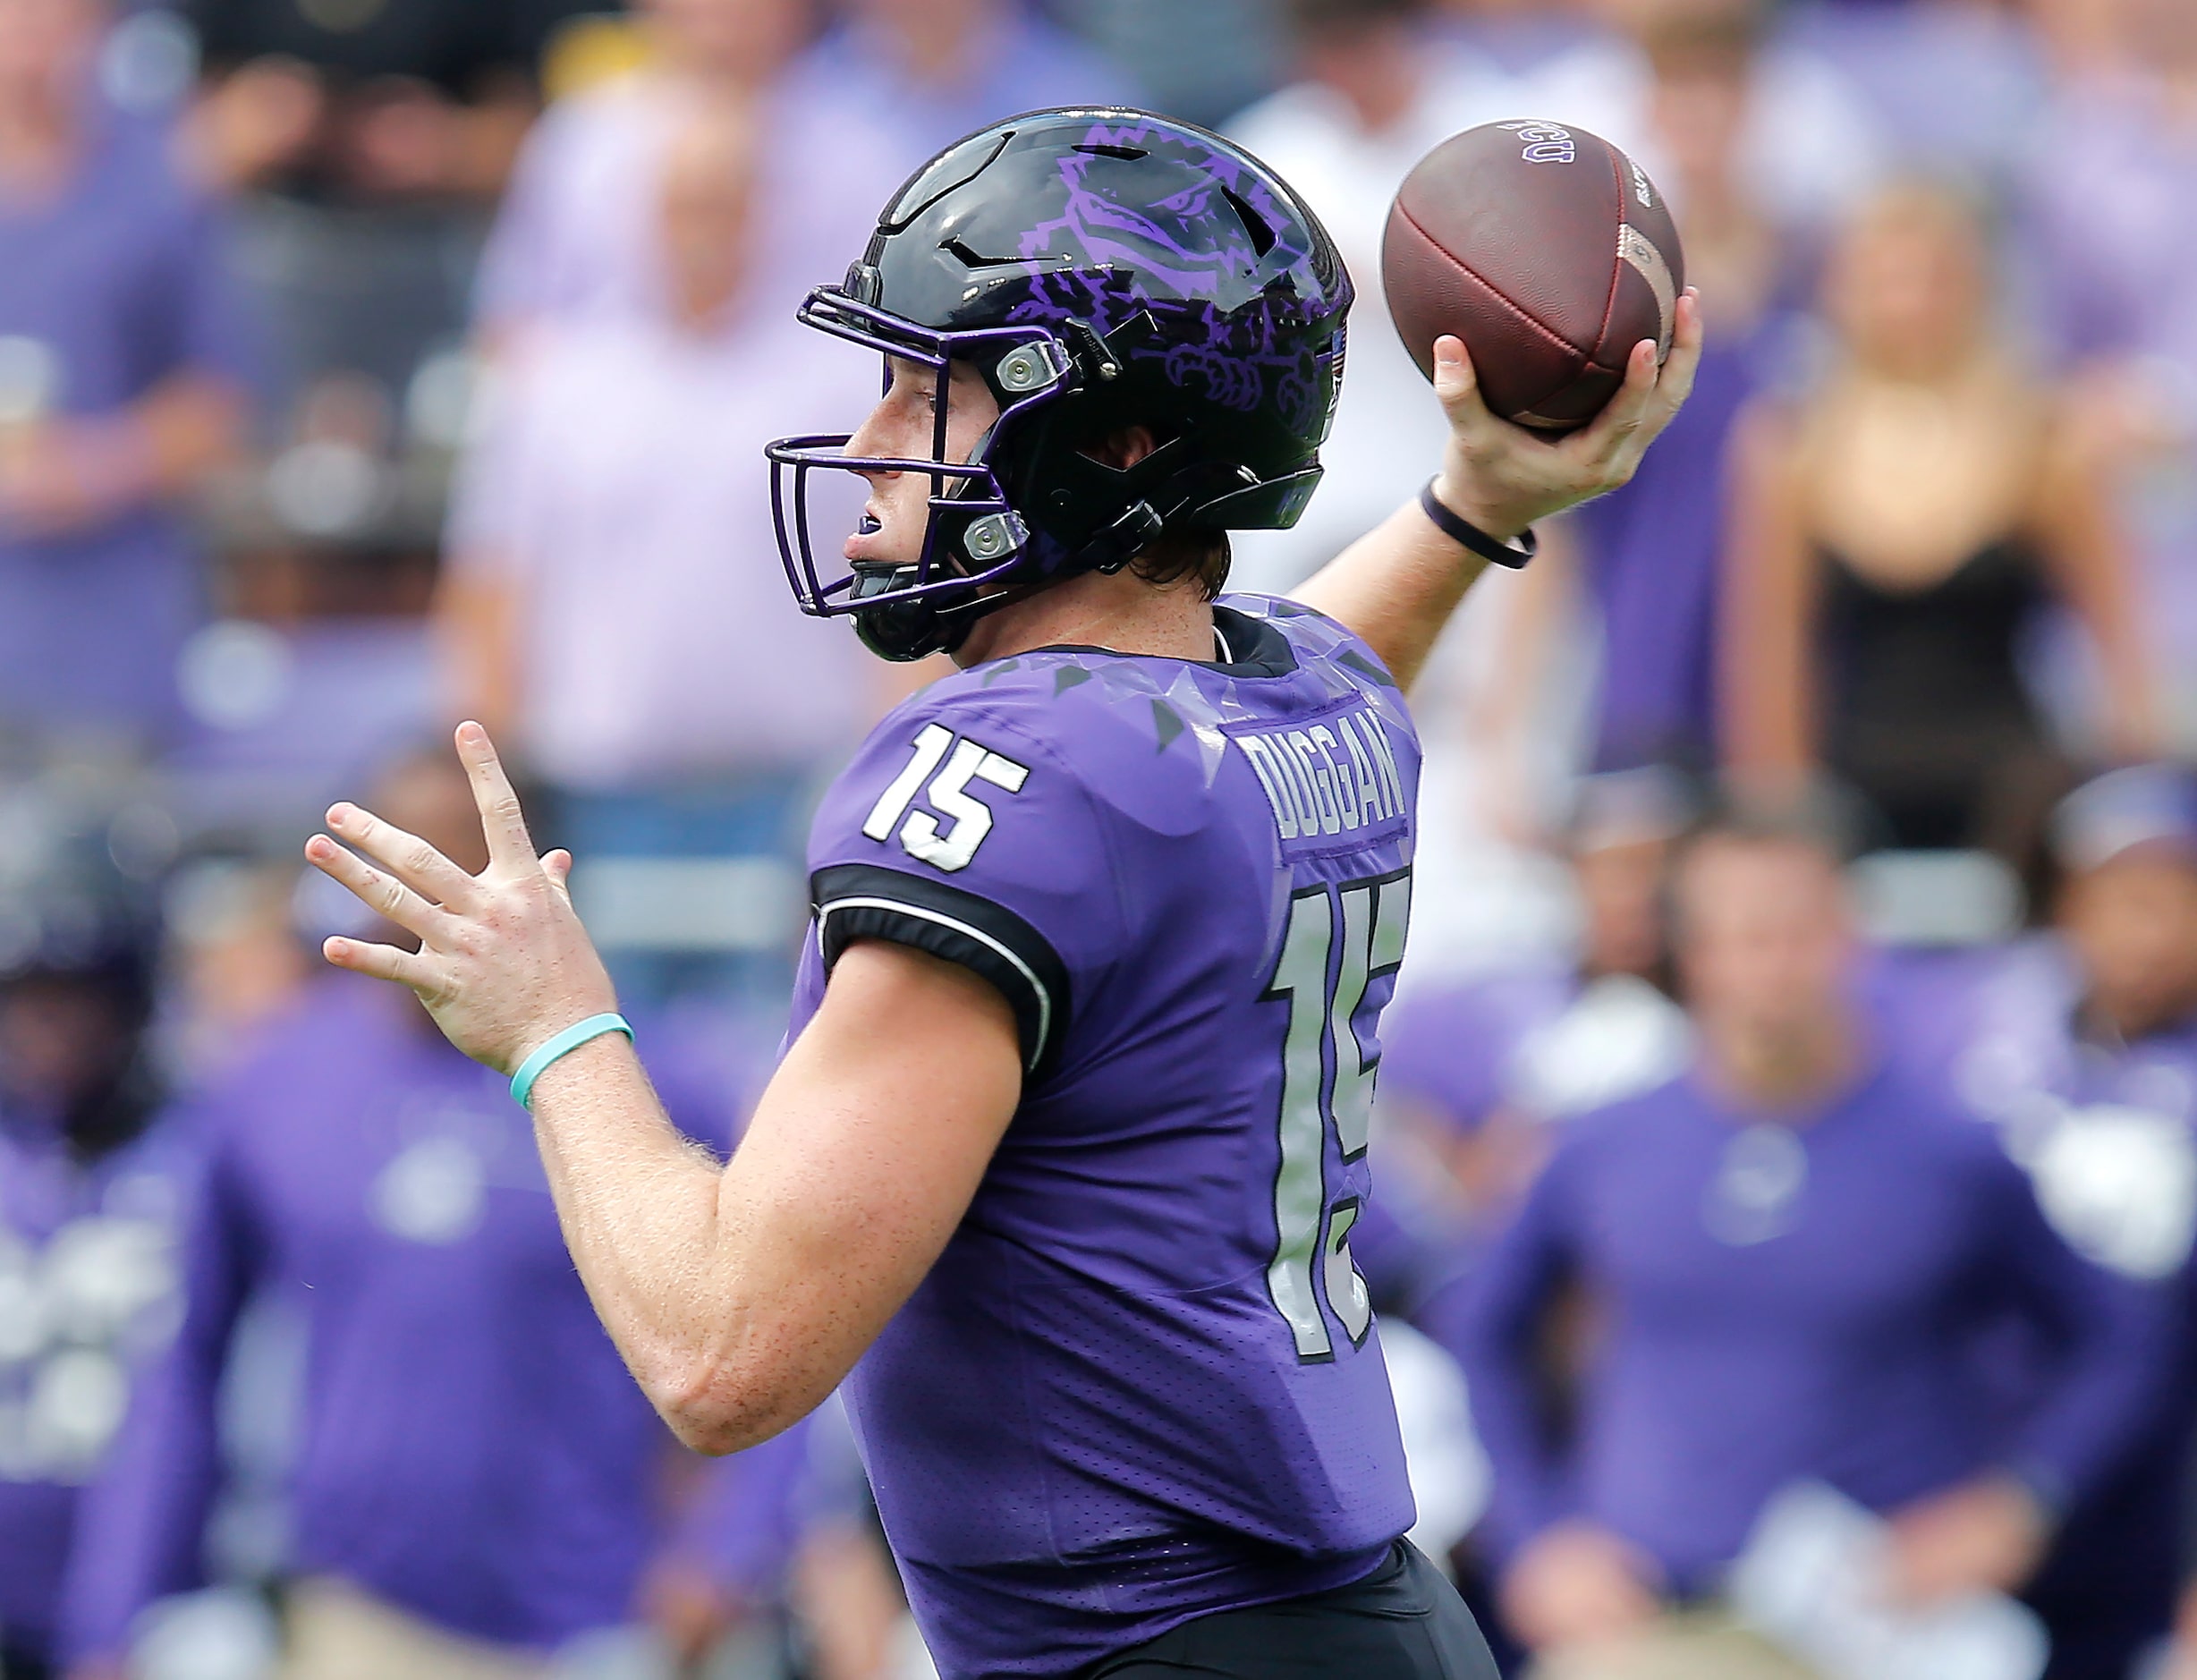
{"points": [[472, 1483], [88, 1175], [1060, 1170], [2079, 1045]]}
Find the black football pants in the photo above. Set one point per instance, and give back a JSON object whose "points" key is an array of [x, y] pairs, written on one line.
{"points": [[1403, 1622]]}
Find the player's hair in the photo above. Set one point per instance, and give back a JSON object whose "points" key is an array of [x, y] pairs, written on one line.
{"points": [[1202, 555]]}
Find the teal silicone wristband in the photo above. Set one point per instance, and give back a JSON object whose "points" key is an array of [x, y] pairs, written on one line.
{"points": [[564, 1044]]}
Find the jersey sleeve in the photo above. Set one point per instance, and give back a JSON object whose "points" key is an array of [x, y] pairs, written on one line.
{"points": [[962, 831]]}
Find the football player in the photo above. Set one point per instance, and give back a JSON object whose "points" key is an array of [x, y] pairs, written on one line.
{"points": [[1059, 1171]]}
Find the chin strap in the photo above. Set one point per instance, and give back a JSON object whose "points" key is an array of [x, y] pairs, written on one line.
{"points": [[1134, 530]]}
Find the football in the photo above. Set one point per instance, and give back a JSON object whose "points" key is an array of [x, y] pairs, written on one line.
{"points": [[1548, 250]]}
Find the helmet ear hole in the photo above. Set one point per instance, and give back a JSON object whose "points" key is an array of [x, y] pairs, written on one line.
{"points": [[1122, 447]]}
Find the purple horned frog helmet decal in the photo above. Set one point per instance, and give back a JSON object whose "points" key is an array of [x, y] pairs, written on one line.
{"points": [[1199, 240], [1102, 269], [1201, 259]]}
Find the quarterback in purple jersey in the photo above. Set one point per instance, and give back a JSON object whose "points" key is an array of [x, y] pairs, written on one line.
{"points": [[1060, 1169]]}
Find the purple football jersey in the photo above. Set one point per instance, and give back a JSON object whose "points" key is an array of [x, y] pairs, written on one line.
{"points": [[1142, 1382]]}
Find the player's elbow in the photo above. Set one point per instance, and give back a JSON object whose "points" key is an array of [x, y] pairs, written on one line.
{"points": [[711, 1436], [715, 1404]]}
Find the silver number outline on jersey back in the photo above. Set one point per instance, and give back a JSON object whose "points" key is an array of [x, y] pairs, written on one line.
{"points": [[1326, 1086]]}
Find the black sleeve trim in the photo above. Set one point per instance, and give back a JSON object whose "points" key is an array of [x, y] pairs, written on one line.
{"points": [[859, 901]]}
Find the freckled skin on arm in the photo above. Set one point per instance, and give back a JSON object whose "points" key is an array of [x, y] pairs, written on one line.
{"points": [[742, 1297]]}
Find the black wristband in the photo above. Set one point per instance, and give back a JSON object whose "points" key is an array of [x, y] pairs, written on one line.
{"points": [[1459, 530]]}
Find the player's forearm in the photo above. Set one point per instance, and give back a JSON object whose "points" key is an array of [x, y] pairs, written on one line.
{"points": [[1395, 587], [641, 1209], [740, 1297]]}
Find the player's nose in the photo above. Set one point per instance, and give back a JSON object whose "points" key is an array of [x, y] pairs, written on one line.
{"points": [[875, 437]]}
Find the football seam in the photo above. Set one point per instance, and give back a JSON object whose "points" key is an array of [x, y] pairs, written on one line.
{"points": [[1616, 263], [1466, 268]]}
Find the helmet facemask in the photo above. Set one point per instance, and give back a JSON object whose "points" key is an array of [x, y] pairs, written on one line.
{"points": [[975, 544]]}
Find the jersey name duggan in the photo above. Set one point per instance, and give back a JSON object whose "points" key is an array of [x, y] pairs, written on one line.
{"points": [[1336, 776]]}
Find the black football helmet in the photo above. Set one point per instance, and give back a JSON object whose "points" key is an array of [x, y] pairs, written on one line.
{"points": [[1100, 268]]}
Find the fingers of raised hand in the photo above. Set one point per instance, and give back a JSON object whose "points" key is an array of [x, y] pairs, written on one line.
{"points": [[502, 820], [381, 892], [1624, 412], [384, 962], [558, 865], [1601, 455], [1675, 384], [1456, 383], [1644, 404], [411, 860]]}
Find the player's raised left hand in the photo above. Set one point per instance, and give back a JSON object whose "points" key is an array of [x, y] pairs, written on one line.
{"points": [[502, 962], [1504, 477]]}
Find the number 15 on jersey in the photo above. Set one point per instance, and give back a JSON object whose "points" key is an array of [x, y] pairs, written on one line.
{"points": [[1338, 941]]}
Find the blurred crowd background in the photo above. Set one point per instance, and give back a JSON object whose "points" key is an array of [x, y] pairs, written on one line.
{"points": [[1790, 1119]]}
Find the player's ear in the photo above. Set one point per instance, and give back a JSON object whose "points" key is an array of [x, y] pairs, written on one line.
{"points": [[1123, 449]]}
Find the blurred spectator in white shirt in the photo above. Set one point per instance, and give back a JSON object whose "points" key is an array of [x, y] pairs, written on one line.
{"points": [[578, 230], [1379, 84], [932, 71], [2110, 242], [1812, 147], [1376, 91], [615, 598]]}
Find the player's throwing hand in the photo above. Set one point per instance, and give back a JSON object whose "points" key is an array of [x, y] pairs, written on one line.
{"points": [[1503, 476], [502, 962]]}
